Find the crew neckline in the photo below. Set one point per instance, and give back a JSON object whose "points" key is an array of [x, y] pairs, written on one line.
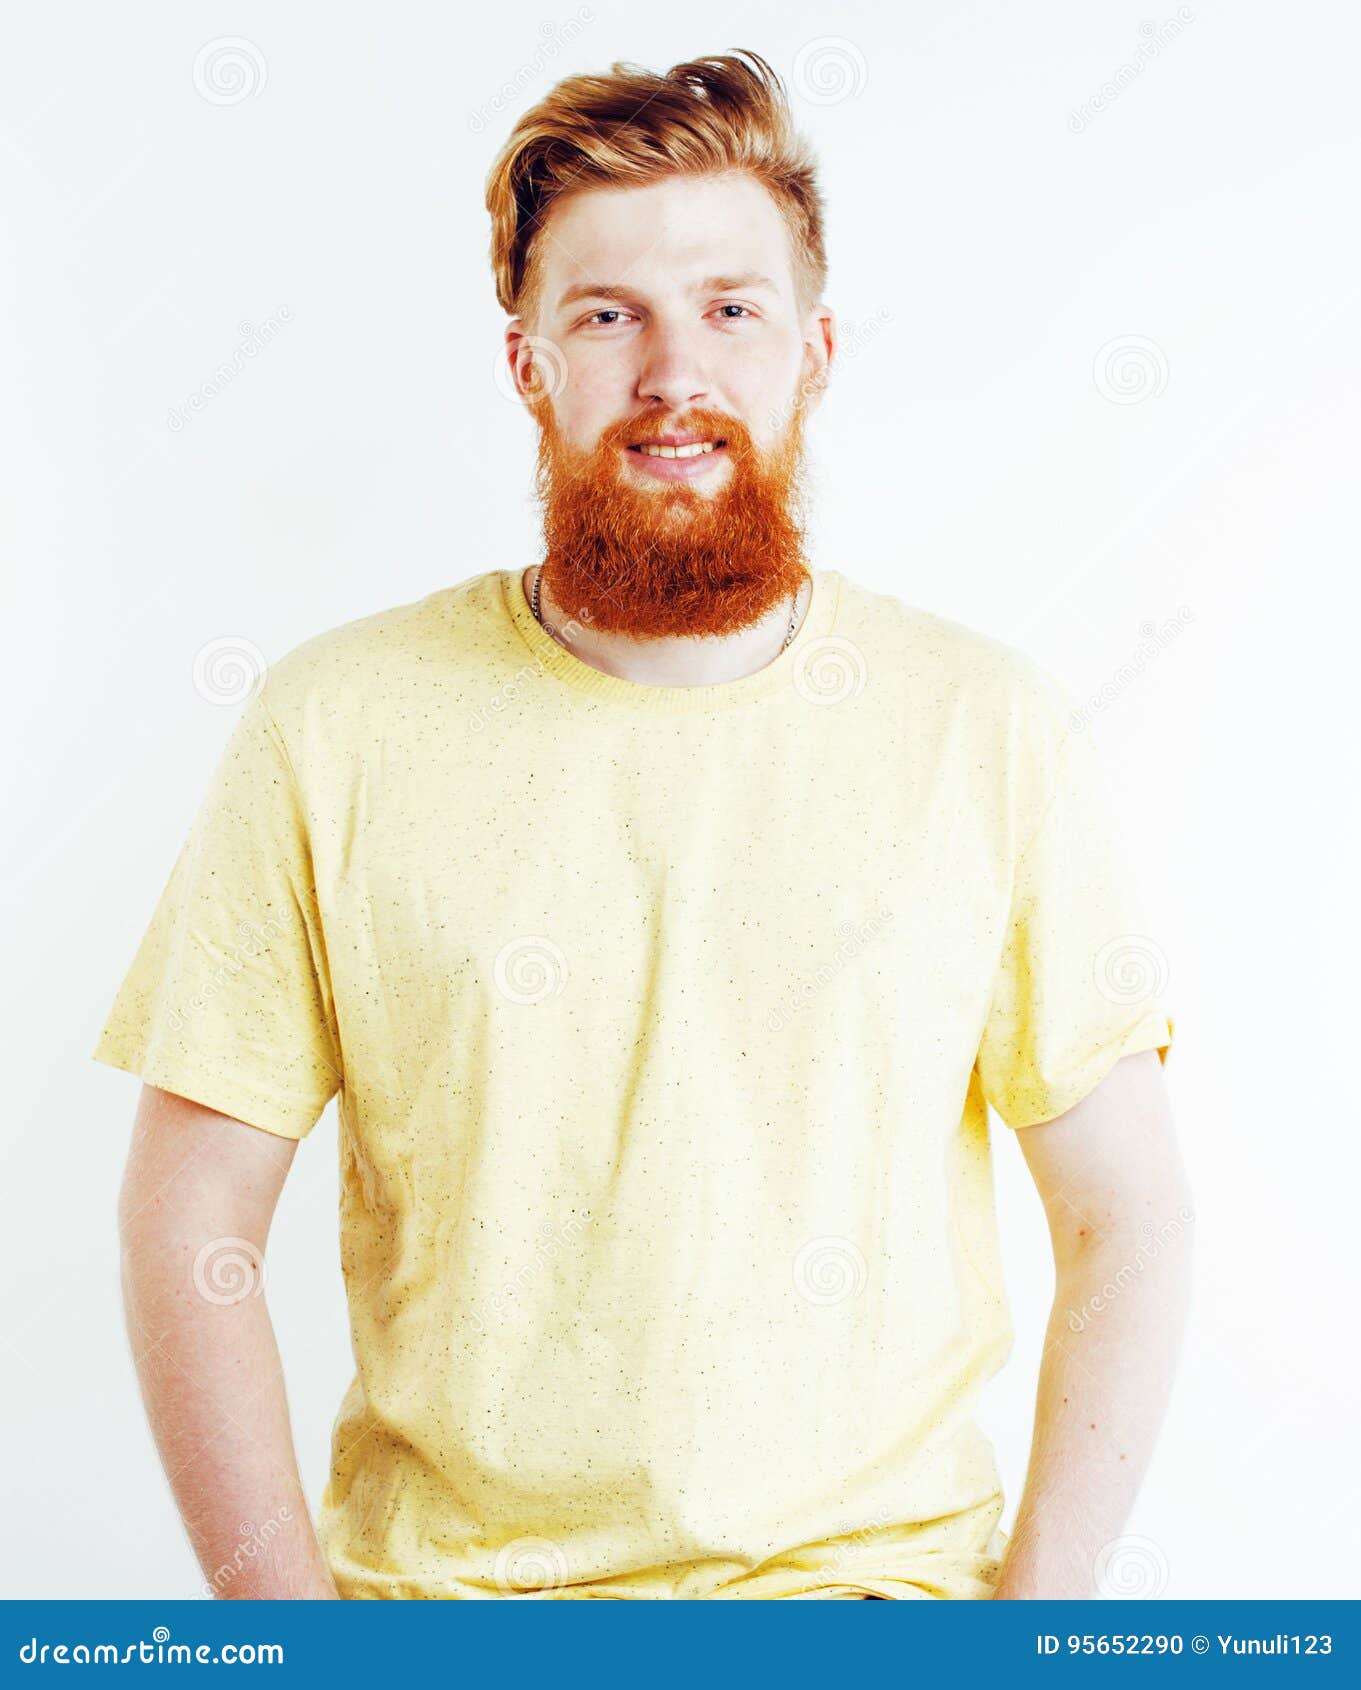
{"points": [[781, 672]]}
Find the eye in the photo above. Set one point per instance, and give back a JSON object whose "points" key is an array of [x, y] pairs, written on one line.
{"points": [[606, 311], [733, 307]]}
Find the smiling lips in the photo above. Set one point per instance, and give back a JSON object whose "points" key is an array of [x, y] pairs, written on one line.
{"points": [[693, 450], [676, 457]]}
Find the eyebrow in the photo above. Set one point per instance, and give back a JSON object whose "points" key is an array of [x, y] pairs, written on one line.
{"points": [[710, 284]]}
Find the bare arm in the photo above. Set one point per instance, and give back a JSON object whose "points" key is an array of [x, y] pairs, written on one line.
{"points": [[194, 1212], [1119, 1208]]}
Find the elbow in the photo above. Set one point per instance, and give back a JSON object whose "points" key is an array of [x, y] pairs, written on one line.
{"points": [[1147, 1227]]}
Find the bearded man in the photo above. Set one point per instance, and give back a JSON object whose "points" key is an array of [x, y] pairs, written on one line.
{"points": [[665, 914]]}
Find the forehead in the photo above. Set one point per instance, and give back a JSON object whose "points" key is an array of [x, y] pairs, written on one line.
{"points": [[665, 236]]}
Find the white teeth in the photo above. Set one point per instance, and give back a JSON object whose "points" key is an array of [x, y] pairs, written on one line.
{"points": [[678, 451]]}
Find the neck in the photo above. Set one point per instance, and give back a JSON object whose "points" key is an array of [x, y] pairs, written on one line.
{"points": [[674, 662]]}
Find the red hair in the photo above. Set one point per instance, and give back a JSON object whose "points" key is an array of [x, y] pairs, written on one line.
{"points": [[637, 126]]}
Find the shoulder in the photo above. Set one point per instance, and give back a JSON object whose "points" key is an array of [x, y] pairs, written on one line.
{"points": [[359, 665], [991, 715], [958, 663]]}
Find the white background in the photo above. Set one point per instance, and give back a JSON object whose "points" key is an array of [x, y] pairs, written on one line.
{"points": [[979, 456]]}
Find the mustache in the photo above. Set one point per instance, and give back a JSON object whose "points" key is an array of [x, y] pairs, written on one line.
{"points": [[717, 426]]}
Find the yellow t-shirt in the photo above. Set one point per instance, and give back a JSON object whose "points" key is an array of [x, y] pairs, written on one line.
{"points": [[664, 1023]]}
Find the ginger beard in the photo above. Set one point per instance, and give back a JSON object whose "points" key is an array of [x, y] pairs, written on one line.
{"points": [[662, 559]]}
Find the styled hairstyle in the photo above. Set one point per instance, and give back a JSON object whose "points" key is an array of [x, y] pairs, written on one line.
{"points": [[635, 127]]}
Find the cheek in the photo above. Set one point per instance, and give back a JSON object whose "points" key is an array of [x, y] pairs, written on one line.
{"points": [[769, 365], [762, 387], [591, 399]]}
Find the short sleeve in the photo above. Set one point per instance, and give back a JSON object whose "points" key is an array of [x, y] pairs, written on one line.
{"points": [[227, 1001], [1080, 978]]}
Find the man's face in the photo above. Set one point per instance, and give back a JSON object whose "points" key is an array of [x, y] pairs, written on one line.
{"points": [[667, 323]]}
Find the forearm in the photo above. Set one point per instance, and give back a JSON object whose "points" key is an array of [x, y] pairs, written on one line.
{"points": [[213, 1386], [1111, 1348]]}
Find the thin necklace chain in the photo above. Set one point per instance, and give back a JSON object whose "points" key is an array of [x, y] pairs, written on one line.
{"points": [[534, 606]]}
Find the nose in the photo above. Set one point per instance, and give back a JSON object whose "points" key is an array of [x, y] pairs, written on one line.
{"points": [[671, 371]]}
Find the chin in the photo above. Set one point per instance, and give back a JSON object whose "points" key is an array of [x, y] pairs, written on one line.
{"points": [[676, 495]]}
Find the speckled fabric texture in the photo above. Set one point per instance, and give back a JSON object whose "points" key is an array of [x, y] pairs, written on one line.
{"points": [[663, 1023]]}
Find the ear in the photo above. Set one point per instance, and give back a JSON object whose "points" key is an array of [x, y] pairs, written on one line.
{"points": [[819, 349], [520, 358], [538, 366]]}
